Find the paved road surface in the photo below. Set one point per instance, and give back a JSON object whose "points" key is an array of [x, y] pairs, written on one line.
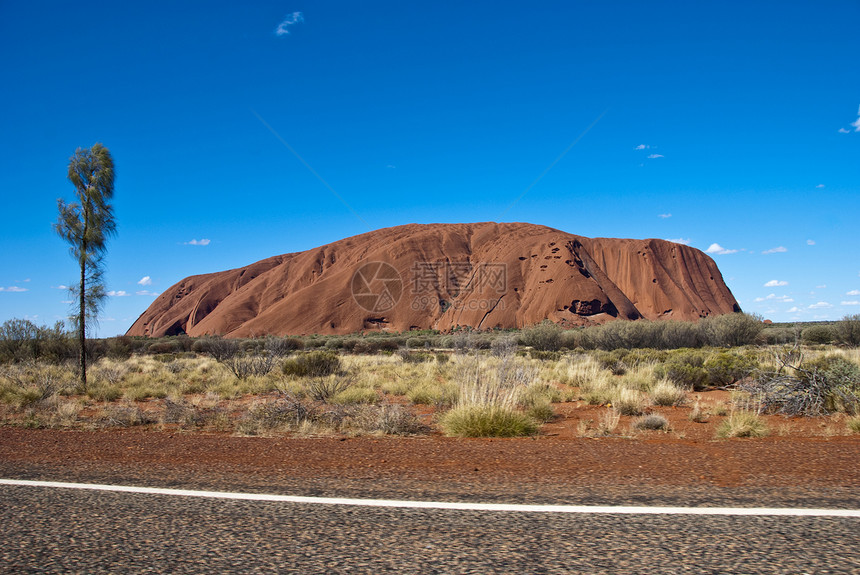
{"points": [[60, 530]]}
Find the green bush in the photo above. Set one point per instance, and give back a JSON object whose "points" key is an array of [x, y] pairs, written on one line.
{"points": [[726, 368], [312, 364], [486, 421], [847, 330], [742, 424], [731, 330], [686, 368], [545, 336], [817, 334]]}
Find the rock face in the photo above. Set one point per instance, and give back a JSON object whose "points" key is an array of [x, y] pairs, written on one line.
{"points": [[440, 276]]}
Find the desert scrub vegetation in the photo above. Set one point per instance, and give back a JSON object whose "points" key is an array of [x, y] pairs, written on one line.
{"points": [[490, 402], [826, 384], [742, 423]]}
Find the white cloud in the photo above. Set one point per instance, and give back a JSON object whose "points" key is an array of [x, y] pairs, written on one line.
{"points": [[682, 241], [120, 293], [61, 286], [776, 283], [776, 250], [820, 305], [145, 281], [641, 147], [856, 123], [810, 242], [146, 292], [203, 242], [794, 309], [283, 27], [844, 131], [819, 186], [719, 250], [22, 281], [773, 296], [853, 292], [664, 216], [822, 286], [14, 289], [855, 302], [655, 156]]}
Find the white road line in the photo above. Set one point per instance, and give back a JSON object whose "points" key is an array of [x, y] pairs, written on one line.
{"points": [[459, 506]]}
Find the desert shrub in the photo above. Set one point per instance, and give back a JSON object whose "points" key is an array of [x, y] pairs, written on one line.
{"points": [[545, 336], [628, 401], [21, 340], [486, 421], [415, 357], [686, 368], [847, 330], [334, 343], [390, 419], [731, 329], [355, 395], [324, 388], [817, 334], [726, 368], [853, 424], [382, 344], [817, 387], [571, 339], [780, 335], [613, 361], [545, 355], [666, 393], [680, 334], [504, 345], [312, 364], [440, 395], [652, 421], [742, 423], [442, 357], [286, 412]]}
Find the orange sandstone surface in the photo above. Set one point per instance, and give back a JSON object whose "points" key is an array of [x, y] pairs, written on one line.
{"points": [[441, 276]]}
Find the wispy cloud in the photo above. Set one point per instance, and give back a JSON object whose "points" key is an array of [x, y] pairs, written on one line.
{"points": [[120, 293], [654, 156], [776, 250], [810, 242], [819, 186], [642, 147], [776, 283], [14, 289], [61, 286], [773, 296], [146, 292], [853, 292], [856, 123], [145, 281], [844, 131], [283, 28], [854, 302], [794, 309], [203, 242], [719, 250], [664, 216], [682, 241], [821, 305]]}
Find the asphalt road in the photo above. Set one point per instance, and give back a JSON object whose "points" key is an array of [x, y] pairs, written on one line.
{"points": [[48, 530]]}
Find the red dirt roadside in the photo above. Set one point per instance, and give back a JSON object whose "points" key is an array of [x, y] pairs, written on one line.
{"points": [[782, 464]]}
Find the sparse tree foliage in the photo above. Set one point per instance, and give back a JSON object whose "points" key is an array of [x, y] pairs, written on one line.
{"points": [[86, 226]]}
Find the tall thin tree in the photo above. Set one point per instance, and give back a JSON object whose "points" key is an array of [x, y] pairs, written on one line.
{"points": [[86, 225]]}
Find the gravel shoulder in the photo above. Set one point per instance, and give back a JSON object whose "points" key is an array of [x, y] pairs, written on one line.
{"points": [[777, 471]]}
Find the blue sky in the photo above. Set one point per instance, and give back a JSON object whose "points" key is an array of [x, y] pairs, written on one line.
{"points": [[730, 126]]}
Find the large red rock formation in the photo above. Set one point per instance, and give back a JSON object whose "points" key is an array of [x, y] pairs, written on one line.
{"points": [[440, 276]]}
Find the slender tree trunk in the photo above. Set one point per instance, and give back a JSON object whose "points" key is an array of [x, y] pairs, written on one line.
{"points": [[82, 326]]}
